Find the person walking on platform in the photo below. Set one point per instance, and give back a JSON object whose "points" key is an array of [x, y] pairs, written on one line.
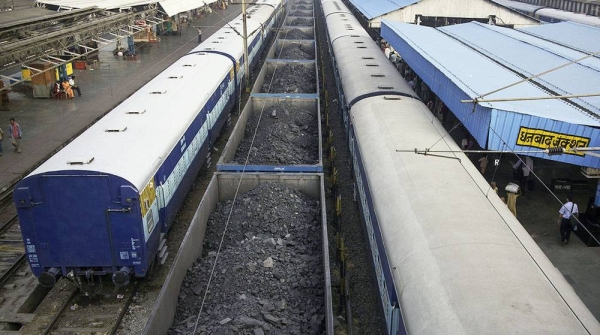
{"points": [[522, 172], [199, 35], [564, 218], [73, 86], [15, 135]]}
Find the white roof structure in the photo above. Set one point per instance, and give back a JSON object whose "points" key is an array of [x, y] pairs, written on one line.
{"points": [[171, 7]]}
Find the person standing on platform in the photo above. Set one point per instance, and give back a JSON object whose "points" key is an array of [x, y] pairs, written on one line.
{"points": [[511, 202], [564, 219], [15, 135], [483, 163], [73, 86], [199, 35], [524, 175]]}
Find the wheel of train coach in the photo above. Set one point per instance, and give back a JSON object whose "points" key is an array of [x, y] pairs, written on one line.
{"points": [[101, 206]]}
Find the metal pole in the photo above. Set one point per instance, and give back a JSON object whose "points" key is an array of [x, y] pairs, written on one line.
{"points": [[245, 36], [478, 100]]}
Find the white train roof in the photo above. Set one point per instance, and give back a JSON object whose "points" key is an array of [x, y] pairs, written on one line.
{"points": [[455, 253], [341, 23], [135, 138], [133, 146]]}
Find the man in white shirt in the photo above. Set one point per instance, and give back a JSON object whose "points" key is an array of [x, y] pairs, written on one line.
{"points": [[565, 213], [73, 86]]}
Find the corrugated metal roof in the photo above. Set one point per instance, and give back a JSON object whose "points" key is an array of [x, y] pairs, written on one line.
{"points": [[454, 71], [573, 35], [476, 74], [375, 8], [105, 4], [531, 56], [171, 7], [520, 6]]}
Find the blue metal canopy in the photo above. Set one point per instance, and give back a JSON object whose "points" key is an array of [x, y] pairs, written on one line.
{"points": [[464, 62], [375, 8], [577, 36]]}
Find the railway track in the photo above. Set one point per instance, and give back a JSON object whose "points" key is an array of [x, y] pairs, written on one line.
{"points": [[81, 314], [12, 253]]}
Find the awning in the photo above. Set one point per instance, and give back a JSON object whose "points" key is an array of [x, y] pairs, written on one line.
{"points": [[457, 71]]}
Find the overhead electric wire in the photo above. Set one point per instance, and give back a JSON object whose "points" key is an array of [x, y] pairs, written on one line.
{"points": [[233, 203]]}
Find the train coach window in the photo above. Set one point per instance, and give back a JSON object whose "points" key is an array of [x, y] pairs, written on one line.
{"points": [[377, 75], [189, 65], [175, 77], [372, 64], [136, 112], [368, 57], [395, 97], [361, 47], [159, 92], [386, 87], [359, 42], [354, 36]]}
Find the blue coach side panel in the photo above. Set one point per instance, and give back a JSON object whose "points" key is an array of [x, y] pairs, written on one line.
{"points": [[99, 216]]}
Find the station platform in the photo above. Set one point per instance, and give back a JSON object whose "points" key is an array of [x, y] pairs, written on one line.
{"points": [[48, 124]]}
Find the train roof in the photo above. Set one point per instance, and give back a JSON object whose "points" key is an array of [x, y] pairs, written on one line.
{"points": [[455, 250], [363, 67], [135, 138]]}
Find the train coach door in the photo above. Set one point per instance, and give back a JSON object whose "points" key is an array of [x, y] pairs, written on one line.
{"points": [[74, 230]]}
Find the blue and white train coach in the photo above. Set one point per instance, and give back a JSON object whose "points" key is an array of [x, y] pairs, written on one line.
{"points": [[103, 204]]}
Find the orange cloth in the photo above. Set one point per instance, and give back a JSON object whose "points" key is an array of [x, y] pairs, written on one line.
{"points": [[68, 90]]}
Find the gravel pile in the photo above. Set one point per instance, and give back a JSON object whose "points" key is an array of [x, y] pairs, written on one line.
{"points": [[287, 135], [296, 51], [301, 13], [302, 22], [269, 274], [290, 78], [297, 34]]}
